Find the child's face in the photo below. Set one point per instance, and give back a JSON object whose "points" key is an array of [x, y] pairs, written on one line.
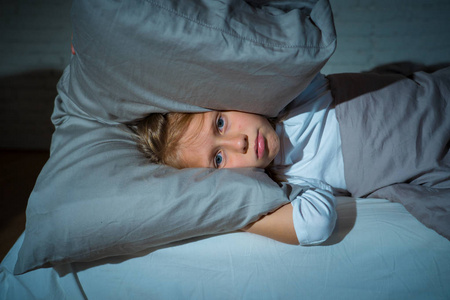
{"points": [[229, 140]]}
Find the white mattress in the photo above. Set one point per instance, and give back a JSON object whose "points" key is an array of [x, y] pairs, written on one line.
{"points": [[378, 251]]}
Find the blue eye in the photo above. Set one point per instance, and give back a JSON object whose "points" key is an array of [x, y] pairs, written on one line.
{"points": [[218, 159], [220, 123]]}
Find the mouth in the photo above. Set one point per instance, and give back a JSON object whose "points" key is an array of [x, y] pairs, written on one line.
{"points": [[259, 145]]}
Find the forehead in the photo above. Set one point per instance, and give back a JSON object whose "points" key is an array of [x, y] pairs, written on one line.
{"points": [[194, 129], [192, 148]]}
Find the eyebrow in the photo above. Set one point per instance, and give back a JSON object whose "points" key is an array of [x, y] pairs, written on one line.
{"points": [[196, 158], [212, 155]]}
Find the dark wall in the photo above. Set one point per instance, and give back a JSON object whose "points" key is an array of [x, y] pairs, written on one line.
{"points": [[34, 49]]}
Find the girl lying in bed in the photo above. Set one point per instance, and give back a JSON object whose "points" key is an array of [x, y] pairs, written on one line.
{"points": [[305, 148], [232, 139]]}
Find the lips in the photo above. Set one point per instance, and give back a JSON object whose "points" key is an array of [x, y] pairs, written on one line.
{"points": [[259, 145]]}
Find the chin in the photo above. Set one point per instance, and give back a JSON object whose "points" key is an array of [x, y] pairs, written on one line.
{"points": [[265, 165]]}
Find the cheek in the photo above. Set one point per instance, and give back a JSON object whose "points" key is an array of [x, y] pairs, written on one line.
{"points": [[240, 161], [275, 144]]}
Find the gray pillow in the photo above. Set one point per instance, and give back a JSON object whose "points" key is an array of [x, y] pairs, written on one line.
{"points": [[97, 196], [135, 57]]}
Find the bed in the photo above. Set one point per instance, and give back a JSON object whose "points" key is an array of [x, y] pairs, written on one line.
{"points": [[378, 251], [102, 223]]}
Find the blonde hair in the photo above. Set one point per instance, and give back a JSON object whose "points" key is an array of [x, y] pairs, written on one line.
{"points": [[158, 137]]}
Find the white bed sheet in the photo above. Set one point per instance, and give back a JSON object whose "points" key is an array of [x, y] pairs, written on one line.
{"points": [[378, 251]]}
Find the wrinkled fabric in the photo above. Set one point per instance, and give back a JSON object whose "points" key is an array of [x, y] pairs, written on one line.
{"points": [[141, 56], [395, 129], [377, 251]]}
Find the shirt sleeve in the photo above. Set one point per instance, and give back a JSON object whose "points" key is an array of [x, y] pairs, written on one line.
{"points": [[314, 215]]}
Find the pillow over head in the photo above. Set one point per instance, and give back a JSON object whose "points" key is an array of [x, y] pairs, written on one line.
{"points": [[136, 57], [97, 196]]}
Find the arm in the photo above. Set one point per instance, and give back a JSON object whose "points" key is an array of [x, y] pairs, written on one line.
{"points": [[309, 219], [278, 225]]}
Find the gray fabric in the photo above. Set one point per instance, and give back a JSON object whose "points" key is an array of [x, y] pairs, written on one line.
{"points": [[97, 196], [135, 57], [429, 205], [395, 138]]}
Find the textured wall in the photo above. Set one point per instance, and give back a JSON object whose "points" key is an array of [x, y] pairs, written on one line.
{"points": [[35, 47], [34, 35], [375, 32]]}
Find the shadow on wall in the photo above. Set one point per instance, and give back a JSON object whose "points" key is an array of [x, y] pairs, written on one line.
{"points": [[26, 105], [18, 173], [375, 79]]}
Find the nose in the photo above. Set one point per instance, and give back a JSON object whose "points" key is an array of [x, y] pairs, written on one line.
{"points": [[237, 143]]}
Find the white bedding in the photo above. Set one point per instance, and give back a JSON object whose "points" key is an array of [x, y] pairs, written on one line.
{"points": [[378, 251]]}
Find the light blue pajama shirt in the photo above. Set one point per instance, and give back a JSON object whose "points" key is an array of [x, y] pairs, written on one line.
{"points": [[311, 155]]}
